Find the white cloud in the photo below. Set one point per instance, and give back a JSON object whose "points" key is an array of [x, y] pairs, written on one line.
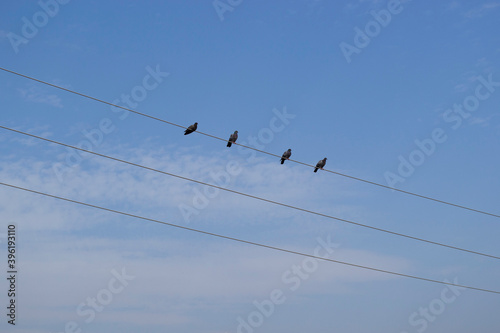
{"points": [[118, 186], [480, 121], [356, 4], [72, 249], [38, 95], [482, 10], [460, 88], [174, 277], [453, 5]]}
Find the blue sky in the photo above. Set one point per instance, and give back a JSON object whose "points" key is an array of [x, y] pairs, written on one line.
{"points": [[413, 103]]}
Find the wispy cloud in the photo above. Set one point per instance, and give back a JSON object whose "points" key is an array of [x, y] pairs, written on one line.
{"points": [[38, 95], [357, 4], [108, 182], [482, 10], [453, 5], [367, 5], [485, 65], [314, 8], [171, 273], [181, 274], [481, 121], [468, 80], [460, 88]]}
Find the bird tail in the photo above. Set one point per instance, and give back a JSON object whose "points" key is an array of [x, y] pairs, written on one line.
{"points": [[282, 160], [229, 143], [315, 169]]}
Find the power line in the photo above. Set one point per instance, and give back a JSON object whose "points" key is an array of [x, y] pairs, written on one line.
{"points": [[255, 149], [245, 241], [251, 196]]}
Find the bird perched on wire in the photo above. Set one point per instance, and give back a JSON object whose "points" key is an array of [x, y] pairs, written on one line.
{"points": [[232, 138], [286, 155], [191, 129], [320, 165]]}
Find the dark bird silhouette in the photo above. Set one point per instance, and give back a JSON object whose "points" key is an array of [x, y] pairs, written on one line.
{"points": [[191, 129], [320, 165], [286, 155], [232, 138]]}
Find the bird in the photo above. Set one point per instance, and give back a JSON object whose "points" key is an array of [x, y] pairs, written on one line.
{"points": [[191, 129], [320, 165], [286, 155], [232, 138]]}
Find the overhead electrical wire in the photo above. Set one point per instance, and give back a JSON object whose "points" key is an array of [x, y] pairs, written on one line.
{"points": [[252, 148], [248, 242], [252, 196], [255, 149]]}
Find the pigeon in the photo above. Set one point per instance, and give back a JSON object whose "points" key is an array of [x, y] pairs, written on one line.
{"points": [[320, 165], [191, 129], [286, 155], [232, 138]]}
